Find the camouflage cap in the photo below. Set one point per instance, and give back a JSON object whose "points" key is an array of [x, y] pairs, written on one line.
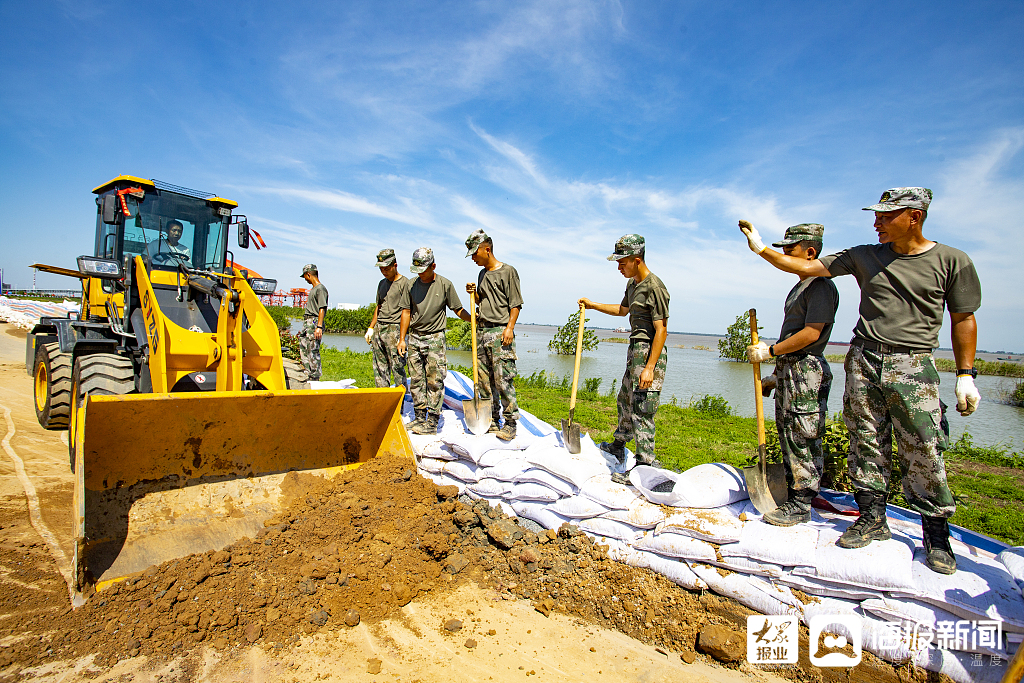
{"points": [[474, 241], [799, 233], [386, 257], [422, 259], [903, 198], [628, 245], [309, 268]]}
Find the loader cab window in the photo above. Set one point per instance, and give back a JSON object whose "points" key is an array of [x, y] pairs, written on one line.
{"points": [[173, 245]]}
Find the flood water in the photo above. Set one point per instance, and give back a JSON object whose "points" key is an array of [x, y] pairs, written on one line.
{"points": [[693, 373]]}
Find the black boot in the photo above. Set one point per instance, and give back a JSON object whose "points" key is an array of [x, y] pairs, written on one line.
{"points": [[428, 426], [421, 415], [871, 525], [616, 448], [939, 554], [796, 509]]}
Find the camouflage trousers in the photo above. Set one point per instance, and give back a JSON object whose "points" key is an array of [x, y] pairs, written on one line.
{"points": [[497, 372], [897, 394], [428, 366], [309, 349], [801, 406], [637, 407], [386, 359]]}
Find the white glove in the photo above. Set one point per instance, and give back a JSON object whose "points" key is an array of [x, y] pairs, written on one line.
{"points": [[369, 334], [967, 396], [758, 353], [753, 237]]}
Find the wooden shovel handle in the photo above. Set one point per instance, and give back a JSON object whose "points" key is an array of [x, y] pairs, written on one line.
{"points": [[579, 352], [758, 405], [472, 324]]}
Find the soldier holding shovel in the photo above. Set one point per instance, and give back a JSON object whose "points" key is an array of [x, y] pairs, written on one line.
{"points": [[500, 300], [892, 386], [382, 335], [646, 303]]}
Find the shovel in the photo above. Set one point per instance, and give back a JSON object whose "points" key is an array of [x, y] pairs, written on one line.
{"points": [[570, 431], [476, 412], [766, 484]]}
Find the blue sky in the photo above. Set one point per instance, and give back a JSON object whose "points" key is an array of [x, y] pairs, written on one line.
{"points": [[555, 126]]}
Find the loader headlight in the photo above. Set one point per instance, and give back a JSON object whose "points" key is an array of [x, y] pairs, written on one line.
{"points": [[263, 286], [108, 269]]}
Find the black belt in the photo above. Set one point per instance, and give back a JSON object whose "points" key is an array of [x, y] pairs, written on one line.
{"points": [[481, 323], [879, 347], [791, 356]]}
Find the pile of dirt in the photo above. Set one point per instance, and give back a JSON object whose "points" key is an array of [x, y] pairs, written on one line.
{"points": [[358, 548]]}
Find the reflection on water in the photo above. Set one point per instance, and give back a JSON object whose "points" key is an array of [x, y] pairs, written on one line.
{"points": [[694, 372]]}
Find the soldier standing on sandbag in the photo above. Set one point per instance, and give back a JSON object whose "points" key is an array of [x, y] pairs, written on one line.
{"points": [[646, 302], [802, 377], [500, 300], [891, 380], [383, 333], [423, 317], [312, 323]]}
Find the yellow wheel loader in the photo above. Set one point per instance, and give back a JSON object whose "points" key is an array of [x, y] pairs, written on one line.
{"points": [[183, 416]]}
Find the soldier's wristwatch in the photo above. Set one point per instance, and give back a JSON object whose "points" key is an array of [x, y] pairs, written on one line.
{"points": [[973, 372]]}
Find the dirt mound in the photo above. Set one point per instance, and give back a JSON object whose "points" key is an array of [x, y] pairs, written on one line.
{"points": [[358, 548]]}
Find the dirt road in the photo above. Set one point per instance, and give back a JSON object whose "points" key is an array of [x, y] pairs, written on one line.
{"points": [[373, 542]]}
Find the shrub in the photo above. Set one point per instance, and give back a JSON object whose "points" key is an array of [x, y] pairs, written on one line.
{"points": [[280, 316], [733, 346], [564, 342], [711, 405], [1016, 397], [458, 336], [338, 321]]}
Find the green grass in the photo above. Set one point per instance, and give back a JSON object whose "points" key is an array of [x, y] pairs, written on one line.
{"points": [[347, 364]]}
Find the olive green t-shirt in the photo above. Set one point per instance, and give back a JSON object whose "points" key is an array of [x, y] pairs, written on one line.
{"points": [[902, 297], [316, 300], [647, 302], [428, 304], [814, 300], [498, 293], [389, 299]]}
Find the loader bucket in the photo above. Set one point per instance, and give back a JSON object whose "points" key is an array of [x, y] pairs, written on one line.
{"points": [[161, 476]]}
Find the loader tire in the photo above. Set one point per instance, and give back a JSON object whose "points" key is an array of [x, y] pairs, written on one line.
{"points": [[98, 374], [295, 376], [52, 386]]}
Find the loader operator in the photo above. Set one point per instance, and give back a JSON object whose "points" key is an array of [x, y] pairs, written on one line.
{"points": [[312, 323], [500, 300], [646, 302], [892, 385], [423, 317], [802, 377], [382, 335], [170, 251]]}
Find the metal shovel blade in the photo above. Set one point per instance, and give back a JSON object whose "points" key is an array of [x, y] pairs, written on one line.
{"points": [[571, 436], [477, 413], [766, 484]]}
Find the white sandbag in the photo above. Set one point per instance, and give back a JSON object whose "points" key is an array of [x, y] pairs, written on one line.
{"points": [[462, 470], [980, 589], [678, 546], [591, 451], [606, 492], [606, 527], [490, 488], [641, 514], [432, 465], [506, 470], [532, 492], [578, 507], [560, 463], [1013, 560], [745, 565], [826, 589], [499, 457], [752, 591], [541, 513], [432, 447], [445, 480], [716, 525], [880, 566], [787, 546], [676, 571], [710, 485], [922, 618], [474, 447], [538, 476]]}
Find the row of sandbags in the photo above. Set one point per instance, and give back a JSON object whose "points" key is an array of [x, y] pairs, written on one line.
{"points": [[25, 313]]}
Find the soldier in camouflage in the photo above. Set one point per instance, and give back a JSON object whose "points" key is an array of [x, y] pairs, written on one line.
{"points": [[892, 387], [499, 301], [382, 334], [312, 323], [646, 303], [802, 376]]}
